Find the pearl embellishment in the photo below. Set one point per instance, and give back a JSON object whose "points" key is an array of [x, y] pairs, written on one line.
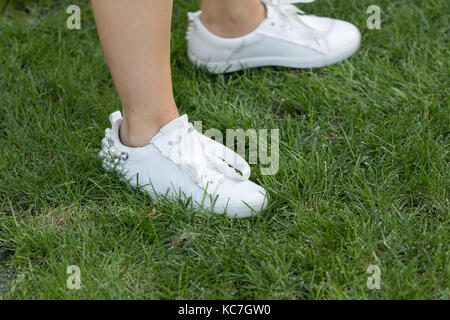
{"points": [[112, 158]]}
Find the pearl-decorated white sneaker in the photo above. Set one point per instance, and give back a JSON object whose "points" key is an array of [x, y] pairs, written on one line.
{"points": [[286, 38], [180, 162]]}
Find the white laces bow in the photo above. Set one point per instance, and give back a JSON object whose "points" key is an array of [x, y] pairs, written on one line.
{"points": [[204, 160]]}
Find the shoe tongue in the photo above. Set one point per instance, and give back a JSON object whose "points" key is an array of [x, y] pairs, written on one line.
{"points": [[176, 123], [173, 125]]}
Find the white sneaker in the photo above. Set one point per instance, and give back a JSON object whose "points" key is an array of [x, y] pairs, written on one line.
{"points": [[286, 38], [181, 163]]}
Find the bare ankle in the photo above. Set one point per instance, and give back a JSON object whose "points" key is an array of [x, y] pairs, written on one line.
{"points": [[139, 132], [234, 24]]}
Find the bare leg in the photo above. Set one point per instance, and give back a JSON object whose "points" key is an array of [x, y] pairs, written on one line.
{"points": [[232, 18], [135, 36]]}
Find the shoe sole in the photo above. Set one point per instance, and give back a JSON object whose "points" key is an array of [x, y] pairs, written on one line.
{"points": [[237, 65], [243, 212]]}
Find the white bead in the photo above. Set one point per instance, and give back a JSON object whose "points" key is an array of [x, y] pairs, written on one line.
{"points": [[101, 154], [124, 156], [122, 162], [116, 161], [105, 142], [113, 151], [106, 165], [120, 169], [108, 131]]}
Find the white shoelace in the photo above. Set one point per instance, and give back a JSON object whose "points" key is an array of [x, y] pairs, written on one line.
{"points": [[205, 161], [286, 8]]}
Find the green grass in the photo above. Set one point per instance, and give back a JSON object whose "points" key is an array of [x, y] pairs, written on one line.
{"points": [[363, 173]]}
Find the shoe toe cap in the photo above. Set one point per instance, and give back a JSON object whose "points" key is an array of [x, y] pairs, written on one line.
{"points": [[344, 38], [240, 199]]}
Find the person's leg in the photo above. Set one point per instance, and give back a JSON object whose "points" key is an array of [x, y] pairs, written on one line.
{"points": [[135, 36], [232, 18], [177, 161]]}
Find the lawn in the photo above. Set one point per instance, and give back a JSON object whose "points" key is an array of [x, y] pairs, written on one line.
{"points": [[363, 177]]}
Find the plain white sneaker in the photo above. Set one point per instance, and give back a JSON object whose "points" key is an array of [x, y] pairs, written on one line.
{"points": [[286, 38], [181, 163]]}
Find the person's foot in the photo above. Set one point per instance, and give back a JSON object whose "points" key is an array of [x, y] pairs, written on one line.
{"points": [[286, 38], [181, 163]]}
